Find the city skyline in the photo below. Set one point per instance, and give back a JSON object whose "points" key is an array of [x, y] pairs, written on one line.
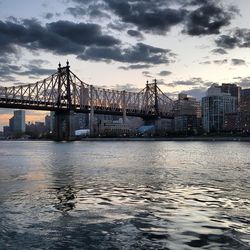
{"points": [[186, 45]]}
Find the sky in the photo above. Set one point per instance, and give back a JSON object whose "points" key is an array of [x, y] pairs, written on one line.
{"points": [[185, 44]]}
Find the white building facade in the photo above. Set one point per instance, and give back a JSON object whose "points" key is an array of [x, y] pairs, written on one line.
{"points": [[214, 107]]}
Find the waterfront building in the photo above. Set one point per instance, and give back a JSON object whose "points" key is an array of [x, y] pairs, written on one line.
{"points": [[231, 122], [81, 121], [36, 130], [214, 107], [245, 110], [187, 112], [11, 124], [48, 123], [6, 131], [112, 128]]}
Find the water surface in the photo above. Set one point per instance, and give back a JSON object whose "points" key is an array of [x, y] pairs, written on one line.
{"points": [[124, 195]]}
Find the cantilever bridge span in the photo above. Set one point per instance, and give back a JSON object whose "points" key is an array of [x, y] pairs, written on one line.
{"points": [[64, 93]]}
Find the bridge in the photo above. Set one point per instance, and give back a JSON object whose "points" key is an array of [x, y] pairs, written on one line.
{"points": [[65, 94]]}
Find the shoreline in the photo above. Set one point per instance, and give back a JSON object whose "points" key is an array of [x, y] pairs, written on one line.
{"points": [[235, 139], [188, 139]]}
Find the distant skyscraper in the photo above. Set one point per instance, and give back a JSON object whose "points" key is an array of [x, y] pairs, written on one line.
{"points": [[214, 107], [19, 121]]}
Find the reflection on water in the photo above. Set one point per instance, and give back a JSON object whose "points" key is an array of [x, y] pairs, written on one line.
{"points": [[124, 195], [66, 197]]}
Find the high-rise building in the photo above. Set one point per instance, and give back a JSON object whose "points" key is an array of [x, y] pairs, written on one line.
{"points": [[245, 110], [214, 107], [11, 124], [187, 111], [187, 106], [233, 90], [17, 123]]}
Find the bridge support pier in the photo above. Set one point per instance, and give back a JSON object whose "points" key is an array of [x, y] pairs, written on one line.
{"points": [[64, 129]]}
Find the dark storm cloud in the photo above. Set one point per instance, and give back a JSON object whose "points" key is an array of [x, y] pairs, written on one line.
{"points": [[61, 37], [139, 53], [197, 17], [135, 33], [82, 33], [219, 51], [150, 16], [165, 73], [235, 38], [207, 19], [238, 62]]}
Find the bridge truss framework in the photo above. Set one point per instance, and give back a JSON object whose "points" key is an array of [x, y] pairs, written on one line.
{"points": [[64, 93]]}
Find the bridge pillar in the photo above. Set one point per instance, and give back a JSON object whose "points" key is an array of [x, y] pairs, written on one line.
{"points": [[64, 129], [124, 113], [91, 118]]}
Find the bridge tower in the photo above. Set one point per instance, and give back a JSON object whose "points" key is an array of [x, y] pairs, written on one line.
{"points": [[152, 93], [64, 119]]}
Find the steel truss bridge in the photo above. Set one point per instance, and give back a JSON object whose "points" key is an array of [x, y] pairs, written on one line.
{"points": [[64, 92]]}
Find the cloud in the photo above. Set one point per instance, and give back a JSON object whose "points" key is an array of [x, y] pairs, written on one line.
{"points": [[128, 87], [150, 16], [220, 62], [135, 33], [82, 33], [76, 12], [219, 51], [61, 37], [85, 40], [207, 19], [164, 73], [238, 62], [197, 17], [205, 62], [243, 81], [135, 66], [35, 68], [191, 82], [235, 38], [49, 15], [147, 74], [197, 92], [139, 53]]}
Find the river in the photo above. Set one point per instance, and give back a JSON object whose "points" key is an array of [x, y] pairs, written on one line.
{"points": [[124, 195]]}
